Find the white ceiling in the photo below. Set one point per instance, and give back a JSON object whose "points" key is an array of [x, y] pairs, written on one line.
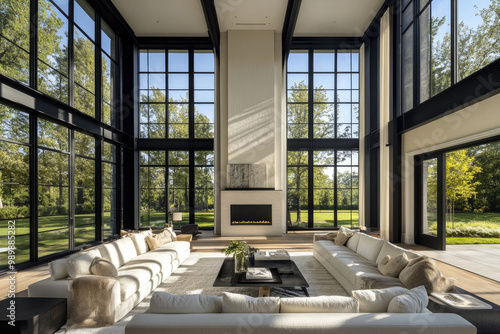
{"points": [[164, 17], [251, 14], [185, 17], [336, 18]]}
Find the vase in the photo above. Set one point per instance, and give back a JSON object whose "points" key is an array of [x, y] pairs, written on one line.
{"points": [[240, 262]]}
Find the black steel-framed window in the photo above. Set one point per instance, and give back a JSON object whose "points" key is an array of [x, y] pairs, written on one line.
{"points": [[177, 181], [442, 43], [322, 126], [110, 172], [15, 191], [51, 187], [55, 48], [176, 94]]}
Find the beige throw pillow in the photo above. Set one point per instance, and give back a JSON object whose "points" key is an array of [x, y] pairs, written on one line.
{"points": [[154, 241], [377, 300], [392, 266], [166, 303], [140, 244], [172, 233], [165, 237], [58, 269], [79, 263], [102, 267], [414, 301], [236, 303], [343, 235], [423, 271]]}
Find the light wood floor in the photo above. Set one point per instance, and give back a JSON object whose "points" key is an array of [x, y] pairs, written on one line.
{"points": [[294, 242]]}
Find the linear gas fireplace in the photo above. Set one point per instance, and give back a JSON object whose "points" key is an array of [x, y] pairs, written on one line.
{"points": [[251, 214]]}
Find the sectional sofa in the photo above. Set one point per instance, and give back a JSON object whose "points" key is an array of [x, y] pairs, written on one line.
{"points": [[194, 314], [140, 271], [355, 264]]}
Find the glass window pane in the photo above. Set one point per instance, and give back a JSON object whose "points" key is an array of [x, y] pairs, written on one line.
{"points": [[178, 158], [84, 58], [84, 200], [297, 81], [204, 81], [324, 61], [178, 81], [344, 61], [204, 158], [84, 17], [84, 145], [156, 61], [430, 209], [143, 61], [425, 54], [478, 26], [52, 135], [298, 61], [108, 39], [440, 46], [14, 124], [178, 61], [204, 61], [325, 81], [407, 71]]}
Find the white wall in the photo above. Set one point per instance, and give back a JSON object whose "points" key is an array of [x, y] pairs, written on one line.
{"points": [[478, 121], [251, 100]]}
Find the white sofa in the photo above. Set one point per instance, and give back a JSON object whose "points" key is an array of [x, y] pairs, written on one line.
{"points": [[354, 265], [138, 274], [303, 323], [233, 313]]}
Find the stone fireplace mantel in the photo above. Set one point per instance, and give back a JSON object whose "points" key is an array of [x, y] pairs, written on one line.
{"points": [[270, 197]]}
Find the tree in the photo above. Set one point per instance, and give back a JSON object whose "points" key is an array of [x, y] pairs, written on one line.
{"points": [[460, 184]]}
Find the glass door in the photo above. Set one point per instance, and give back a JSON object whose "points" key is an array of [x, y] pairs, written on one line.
{"points": [[430, 229]]}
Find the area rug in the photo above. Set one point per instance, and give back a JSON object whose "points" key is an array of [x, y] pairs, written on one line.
{"points": [[197, 274]]}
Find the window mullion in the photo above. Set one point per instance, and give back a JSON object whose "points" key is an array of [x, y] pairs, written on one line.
{"points": [[71, 190], [71, 58], [33, 44], [454, 42], [98, 68]]}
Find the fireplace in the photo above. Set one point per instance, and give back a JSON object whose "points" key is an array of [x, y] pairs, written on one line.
{"points": [[251, 214]]}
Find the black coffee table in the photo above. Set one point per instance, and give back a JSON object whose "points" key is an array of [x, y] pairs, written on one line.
{"points": [[34, 315], [289, 274]]}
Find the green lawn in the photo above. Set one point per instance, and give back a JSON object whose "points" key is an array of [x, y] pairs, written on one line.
{"points": [[325, 219], [470, 222], [158, 219]]}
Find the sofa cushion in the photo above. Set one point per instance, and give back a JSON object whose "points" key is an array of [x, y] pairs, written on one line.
{"points": [[393, 250], [352, 266], [140, 244], [58, 269], [423, 271], [369, 247], [392, 266], [376, 301], [414, 301], [163, 302], [353, 241], [376, 281], [102, 267], [236, 303], [154, 241], [79, 263], [177, 247], [321, 304], [118, 252]]}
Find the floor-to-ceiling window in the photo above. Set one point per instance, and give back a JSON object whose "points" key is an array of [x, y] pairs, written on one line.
{"points": [[322, 131], [176, 136], [60, 169], [455, 39]]}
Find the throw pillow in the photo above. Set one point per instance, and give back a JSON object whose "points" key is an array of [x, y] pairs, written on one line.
{"points": [[165, 237], [342, 238], [236, 303], [414, 301], [58, 269], [321, 304], [164, 302], [392, 266], [79, 263], [331, 236], [172, 233], [376, 301], [423, 271], [140, 244], [353, 241], [154, 241], [102, 267]]}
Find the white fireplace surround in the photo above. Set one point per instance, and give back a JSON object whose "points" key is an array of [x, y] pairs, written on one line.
{"points": [[269, 197]]}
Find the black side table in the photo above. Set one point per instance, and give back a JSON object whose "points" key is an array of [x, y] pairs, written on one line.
{"points": [[33, 315], [487, 321]]}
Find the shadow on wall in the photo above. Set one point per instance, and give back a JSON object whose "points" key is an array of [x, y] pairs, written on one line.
{"points": [[251, 136]]}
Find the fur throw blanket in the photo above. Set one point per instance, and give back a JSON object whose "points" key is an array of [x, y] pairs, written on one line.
{"points": [[90, 302], [423, 271]]}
